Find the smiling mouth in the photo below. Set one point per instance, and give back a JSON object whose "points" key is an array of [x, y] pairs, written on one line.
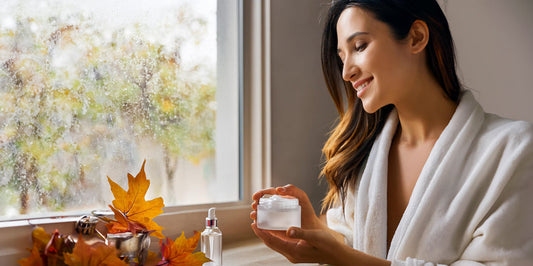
{"points": [[361, 86]]}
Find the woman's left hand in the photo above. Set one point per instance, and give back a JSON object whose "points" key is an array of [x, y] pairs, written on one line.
{"points": [[315, 246]]}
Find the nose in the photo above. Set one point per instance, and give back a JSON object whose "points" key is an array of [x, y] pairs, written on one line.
{"points": [[349, 70]]}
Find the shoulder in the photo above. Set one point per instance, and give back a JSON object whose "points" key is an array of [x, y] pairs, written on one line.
{"points": [[512, 132], [506, 146]]}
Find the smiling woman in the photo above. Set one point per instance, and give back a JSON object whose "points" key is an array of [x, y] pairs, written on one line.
{"points": [[91, 89], [418, 173]]}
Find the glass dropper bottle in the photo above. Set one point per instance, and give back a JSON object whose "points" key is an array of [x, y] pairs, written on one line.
{"points": [[211, 240]]}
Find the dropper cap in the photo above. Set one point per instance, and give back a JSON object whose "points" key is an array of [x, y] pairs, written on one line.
{"points": [[211, 219]]}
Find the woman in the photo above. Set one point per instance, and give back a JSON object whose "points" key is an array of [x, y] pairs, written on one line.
{"points": [[419, 174]]}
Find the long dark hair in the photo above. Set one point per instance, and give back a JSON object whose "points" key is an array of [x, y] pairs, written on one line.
{"points": [[350, 142]]}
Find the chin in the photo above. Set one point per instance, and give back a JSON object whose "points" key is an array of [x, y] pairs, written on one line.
{"points": [[370, 108]]}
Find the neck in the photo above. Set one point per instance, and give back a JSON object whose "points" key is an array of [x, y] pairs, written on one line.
{"points": [[423, 114]]}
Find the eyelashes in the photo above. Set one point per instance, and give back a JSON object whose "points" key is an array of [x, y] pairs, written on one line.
{"points": [[357, 48], [361, 47]]}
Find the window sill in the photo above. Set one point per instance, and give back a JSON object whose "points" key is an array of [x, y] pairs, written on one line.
{"points": [[234, 222]]}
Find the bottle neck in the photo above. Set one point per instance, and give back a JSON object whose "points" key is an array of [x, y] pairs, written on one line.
{"points": [[210, 223]]}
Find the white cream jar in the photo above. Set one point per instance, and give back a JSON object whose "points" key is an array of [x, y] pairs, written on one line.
{"points": [[275, 212]]}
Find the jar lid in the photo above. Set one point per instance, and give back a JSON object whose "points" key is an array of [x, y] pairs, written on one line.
{"points": [[278, 202]]}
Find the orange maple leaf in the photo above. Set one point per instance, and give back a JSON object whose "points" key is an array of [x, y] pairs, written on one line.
{"points": [[93, 255], [179, 252], [34, 259], [137, 213]]}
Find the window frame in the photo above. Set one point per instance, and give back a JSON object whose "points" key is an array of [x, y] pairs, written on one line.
{"points": [[255, 153]]}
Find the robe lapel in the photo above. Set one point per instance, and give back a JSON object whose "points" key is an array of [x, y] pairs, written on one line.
{"points": [[371, 209], [370, 223], [442, 166]]}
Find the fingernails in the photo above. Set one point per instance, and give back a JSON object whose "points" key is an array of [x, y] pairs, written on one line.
{"points": [[292, 233]]}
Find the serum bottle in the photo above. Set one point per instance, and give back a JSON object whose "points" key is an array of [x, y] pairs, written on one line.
{"points": [[211, 240]]}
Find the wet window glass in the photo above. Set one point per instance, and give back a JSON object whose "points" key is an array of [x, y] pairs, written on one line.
{"points": [[90, 89]]}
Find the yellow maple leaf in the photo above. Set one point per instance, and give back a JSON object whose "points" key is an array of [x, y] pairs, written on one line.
{"points": [[134, 209], [179, 252], [40, 237], [47, 248], [93, 255]]}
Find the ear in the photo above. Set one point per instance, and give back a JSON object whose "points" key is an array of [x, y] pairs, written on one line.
{"points": [[418, 36]]}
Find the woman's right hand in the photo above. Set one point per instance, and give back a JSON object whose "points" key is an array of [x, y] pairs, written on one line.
{"points": [[309, 218]]}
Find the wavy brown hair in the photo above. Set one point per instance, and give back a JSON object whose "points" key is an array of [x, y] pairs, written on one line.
{"points": [[350, 141]]}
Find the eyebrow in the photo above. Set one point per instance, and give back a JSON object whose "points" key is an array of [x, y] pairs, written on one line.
{"points": [[351, 37]]}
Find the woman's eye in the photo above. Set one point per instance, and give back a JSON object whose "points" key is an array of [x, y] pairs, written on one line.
{"points": [[360, 48]]}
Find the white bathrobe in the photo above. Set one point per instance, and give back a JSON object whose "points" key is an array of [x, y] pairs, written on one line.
{"points": [[472, 203]]}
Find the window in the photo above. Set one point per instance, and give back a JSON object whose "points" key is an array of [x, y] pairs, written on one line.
{"points": [[90, 89], [242, 62]]}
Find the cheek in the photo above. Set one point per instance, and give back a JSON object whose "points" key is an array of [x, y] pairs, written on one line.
{"points": [[390, 68]]}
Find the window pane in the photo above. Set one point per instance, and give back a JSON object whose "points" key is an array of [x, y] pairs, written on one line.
{"points": [[90, 89]]}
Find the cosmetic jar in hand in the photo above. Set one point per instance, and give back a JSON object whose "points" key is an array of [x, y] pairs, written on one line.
{"points": [[275, 212]]}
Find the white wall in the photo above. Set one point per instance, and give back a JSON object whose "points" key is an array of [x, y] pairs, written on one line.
{"points": [[494, 41], [302, 110]]}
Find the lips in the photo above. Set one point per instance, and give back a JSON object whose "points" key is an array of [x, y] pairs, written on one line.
{"points": [[361, 85]]}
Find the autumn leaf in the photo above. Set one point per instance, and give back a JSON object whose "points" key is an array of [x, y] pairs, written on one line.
{"points": [[152, 259], [53, 251], [40, 237], [132, 204], [122, 224], [93, 255], [179, 252], [34, 259], [47, 249]]}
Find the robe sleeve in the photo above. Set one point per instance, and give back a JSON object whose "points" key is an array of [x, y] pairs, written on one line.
{"points": [[415, 262], [505, 234], [341, 220], [337, 222]]}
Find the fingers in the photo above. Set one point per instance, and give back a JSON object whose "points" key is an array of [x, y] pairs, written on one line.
{"points": [[253, 215], [291, 190], [257, 195], [262, 233], [297, 233], [275, 240], [289, 244], [314, 237], [272, 191]]}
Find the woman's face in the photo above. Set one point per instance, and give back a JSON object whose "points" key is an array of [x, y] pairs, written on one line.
{"points": [[375, 63]]}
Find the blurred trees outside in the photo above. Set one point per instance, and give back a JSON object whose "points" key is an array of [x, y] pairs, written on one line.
{"points": [[77, 95]]}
